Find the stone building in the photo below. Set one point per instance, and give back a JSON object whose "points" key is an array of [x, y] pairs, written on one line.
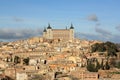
{"points": [[62, 34]]}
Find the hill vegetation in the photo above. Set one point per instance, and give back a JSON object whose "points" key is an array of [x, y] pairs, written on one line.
{"points": [[108, 47], [110, 50]]}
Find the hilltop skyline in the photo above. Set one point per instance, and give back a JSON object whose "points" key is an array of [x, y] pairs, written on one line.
{"points": [[93, 20]]}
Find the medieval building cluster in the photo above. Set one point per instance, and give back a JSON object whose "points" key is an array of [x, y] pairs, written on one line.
{"points": [[57, 55]]}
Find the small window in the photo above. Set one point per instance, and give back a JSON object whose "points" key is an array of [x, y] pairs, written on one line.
{"points": [[23, 68], [38, 67]]}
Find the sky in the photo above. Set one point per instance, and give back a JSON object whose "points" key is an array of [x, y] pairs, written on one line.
{"points": [[92, 19]]}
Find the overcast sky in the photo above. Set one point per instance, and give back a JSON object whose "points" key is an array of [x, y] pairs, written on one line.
{"points": [[92, 19]]}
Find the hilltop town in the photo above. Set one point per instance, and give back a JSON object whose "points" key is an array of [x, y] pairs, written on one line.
{"points": [[56, 56]]}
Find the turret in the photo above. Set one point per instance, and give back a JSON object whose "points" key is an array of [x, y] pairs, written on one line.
{"points": [[71, 32], [71, 27], [49, 27], [44, 30], [44, 33], [49, 32]]}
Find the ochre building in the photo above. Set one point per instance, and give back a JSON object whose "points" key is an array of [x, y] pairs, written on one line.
{"points": [[62, 34]]}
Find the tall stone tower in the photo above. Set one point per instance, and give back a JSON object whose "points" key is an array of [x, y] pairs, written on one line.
{"points": [[44, 33], [71, 32], [49, 32]]}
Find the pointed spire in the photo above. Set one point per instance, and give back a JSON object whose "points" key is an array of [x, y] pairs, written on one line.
{"points": [[71, 27], [49, 27]]}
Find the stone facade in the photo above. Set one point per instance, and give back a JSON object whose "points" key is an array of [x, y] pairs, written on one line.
{"points": [[62, 34], [21, 76]]}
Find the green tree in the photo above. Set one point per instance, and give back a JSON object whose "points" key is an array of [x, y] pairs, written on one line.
{"points": [[102, 66], [93, 65], [98, 66], [95, 47], [101, 48], [107, 66], [111, 49]]}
